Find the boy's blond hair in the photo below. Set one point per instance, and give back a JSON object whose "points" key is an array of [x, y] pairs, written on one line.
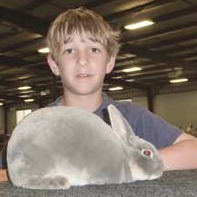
{"points": [[82, 20]]}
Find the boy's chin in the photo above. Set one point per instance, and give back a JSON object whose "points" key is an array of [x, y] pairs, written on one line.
{"points": [[87, 92]]}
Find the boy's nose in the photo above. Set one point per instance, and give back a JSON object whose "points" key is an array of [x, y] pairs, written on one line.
{"points": [[83, 58]]}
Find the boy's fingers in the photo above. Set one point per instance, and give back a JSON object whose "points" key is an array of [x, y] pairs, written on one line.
{"points": [[3, 175]]}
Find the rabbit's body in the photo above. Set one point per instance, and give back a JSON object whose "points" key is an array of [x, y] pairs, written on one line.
{"points": [[59, 147]]}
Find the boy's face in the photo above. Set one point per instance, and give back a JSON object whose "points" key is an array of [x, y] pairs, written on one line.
{"points": [[82, 65]]}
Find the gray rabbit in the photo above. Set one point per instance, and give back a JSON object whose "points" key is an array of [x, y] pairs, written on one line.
{"points": [[59, 147]]}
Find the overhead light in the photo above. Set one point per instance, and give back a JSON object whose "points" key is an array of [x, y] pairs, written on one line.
{"points": [[43, 50], [28, 100], [24, 88], [139, 25], [44, 93], [130, 80], [178, 80], [24, 77], [132, 69], [24, 96], [117, 77], [28, 91], [1, 104], [115, 88]]}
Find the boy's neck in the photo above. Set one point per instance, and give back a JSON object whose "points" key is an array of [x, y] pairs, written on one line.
{"points": [[88, 102]]}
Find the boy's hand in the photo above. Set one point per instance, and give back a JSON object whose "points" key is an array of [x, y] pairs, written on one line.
{"points": [[3, 175]]}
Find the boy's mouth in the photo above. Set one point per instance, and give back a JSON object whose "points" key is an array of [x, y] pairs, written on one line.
{"points": [[83, 75]]}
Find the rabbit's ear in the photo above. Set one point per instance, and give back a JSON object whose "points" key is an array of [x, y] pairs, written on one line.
{"points": [[119, 124]]}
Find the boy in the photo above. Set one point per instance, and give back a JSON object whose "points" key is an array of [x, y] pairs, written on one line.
{"points": [[83, 49]]}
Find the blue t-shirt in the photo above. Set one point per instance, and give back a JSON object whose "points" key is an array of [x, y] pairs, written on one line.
{"points": [[144, 123]]}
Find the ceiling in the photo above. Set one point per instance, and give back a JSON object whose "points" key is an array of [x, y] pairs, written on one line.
{"points": [[165, 50]]}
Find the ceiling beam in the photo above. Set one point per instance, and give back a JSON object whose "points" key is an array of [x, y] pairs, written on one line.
{"points": [[173, 41], [28, 22], [33, 4], [17, 63], [154, 56], [137, 9], [21, 44], [124, 83], [93, 4], [128, 35]]}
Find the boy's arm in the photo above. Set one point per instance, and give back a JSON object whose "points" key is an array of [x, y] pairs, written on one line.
{"points": [[3, 175], [182, 154]]}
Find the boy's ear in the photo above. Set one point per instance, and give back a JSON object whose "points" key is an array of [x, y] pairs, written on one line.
{"points": [[53, 65], [110, 64]]}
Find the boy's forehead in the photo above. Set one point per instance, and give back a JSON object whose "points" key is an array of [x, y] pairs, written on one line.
{"points": [[83, 37]]}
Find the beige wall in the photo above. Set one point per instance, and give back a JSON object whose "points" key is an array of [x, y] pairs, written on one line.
{"points": [[11, 116], [179, 109], [140, 101]]}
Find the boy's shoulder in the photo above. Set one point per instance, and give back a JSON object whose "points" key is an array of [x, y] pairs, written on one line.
{"points": [[131, 111], [128, 107]]}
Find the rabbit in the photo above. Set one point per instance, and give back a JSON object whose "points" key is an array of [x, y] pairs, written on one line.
{"points": [[59, 147]]}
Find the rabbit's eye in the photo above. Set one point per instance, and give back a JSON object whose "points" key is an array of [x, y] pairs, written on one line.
{"points": [[147, 152]]}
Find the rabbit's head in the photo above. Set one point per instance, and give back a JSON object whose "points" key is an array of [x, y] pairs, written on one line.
{"points": [[142, 156]]}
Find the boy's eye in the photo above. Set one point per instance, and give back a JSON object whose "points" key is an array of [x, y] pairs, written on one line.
{"points": [[69, 51], [95, 50]]}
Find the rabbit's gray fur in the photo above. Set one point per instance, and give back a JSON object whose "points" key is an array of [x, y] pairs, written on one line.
{"points": [[59, 147]]}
